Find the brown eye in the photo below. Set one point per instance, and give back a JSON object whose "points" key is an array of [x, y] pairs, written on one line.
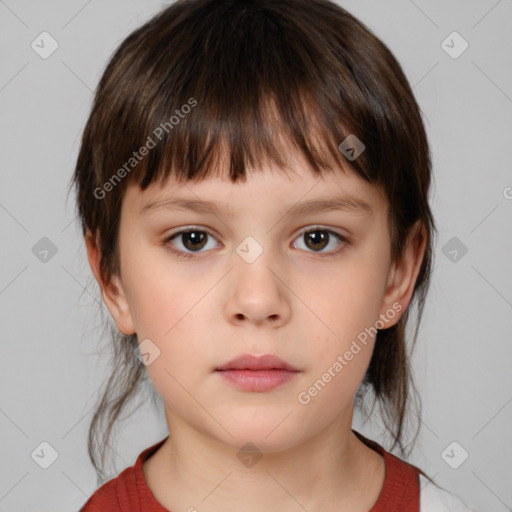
{"points": [[187, 242], [316, 240]]}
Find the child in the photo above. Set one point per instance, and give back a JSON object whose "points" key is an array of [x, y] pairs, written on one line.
{"points": [[282, 138]]}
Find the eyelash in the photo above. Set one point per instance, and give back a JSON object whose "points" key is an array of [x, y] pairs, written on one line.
{"points": [[188, 255]]}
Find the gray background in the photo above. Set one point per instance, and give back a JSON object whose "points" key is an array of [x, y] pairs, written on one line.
{"points": [[50, 365]]}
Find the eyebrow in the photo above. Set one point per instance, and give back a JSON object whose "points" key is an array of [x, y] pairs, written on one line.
{"points": [[349, 203]]}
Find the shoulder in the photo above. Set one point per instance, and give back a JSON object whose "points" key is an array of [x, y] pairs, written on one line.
{"points": [[128, 492], [104, 498], [110, 495], [435, 499]]}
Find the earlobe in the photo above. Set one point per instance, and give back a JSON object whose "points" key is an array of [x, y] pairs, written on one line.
{"points": [[111, 289], [403, 274]]}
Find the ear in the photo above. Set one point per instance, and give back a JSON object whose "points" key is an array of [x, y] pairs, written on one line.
{"points": [[403, 274], [111, 289]]}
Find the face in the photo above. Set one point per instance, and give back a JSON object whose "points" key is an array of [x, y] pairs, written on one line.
{"points": [[266, 267]]}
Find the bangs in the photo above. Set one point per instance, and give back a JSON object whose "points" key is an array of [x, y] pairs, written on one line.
{"points": [[203, 145], [238, 80]]}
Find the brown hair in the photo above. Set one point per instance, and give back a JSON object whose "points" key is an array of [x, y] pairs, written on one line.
{"points": [[209, 77]]}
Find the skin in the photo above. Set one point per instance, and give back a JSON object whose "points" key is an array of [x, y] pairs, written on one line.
{"points": [[294, 301]]}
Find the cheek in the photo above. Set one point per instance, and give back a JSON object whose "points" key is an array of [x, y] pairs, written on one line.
{"points": [[345, 303], [348, 305], [160, 293], [339, 361], [173, 323], [171, 309]]}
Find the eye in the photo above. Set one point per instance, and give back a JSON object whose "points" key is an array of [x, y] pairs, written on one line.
{"points": [[192, 240], [317, 239]]}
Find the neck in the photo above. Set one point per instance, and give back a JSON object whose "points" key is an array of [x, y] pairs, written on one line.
{"points": [[331, 470]]}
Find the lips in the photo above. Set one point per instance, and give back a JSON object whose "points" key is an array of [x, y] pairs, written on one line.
{"points": [[257, 374], [249, 362]]}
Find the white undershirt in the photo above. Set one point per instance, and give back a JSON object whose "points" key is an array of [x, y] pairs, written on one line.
{"points": [[433, 499]]}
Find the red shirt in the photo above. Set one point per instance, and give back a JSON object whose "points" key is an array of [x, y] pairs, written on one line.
{"points": [[128, 492]]}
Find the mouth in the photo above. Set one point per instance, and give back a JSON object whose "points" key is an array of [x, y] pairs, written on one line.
{"points": [[257, 374], [257, 363]]}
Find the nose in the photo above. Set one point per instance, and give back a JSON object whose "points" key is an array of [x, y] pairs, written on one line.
{"points": [[257, 293]]}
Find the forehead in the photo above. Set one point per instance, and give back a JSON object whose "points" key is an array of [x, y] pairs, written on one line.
{"points": [[267, 186], [262, 190]]}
